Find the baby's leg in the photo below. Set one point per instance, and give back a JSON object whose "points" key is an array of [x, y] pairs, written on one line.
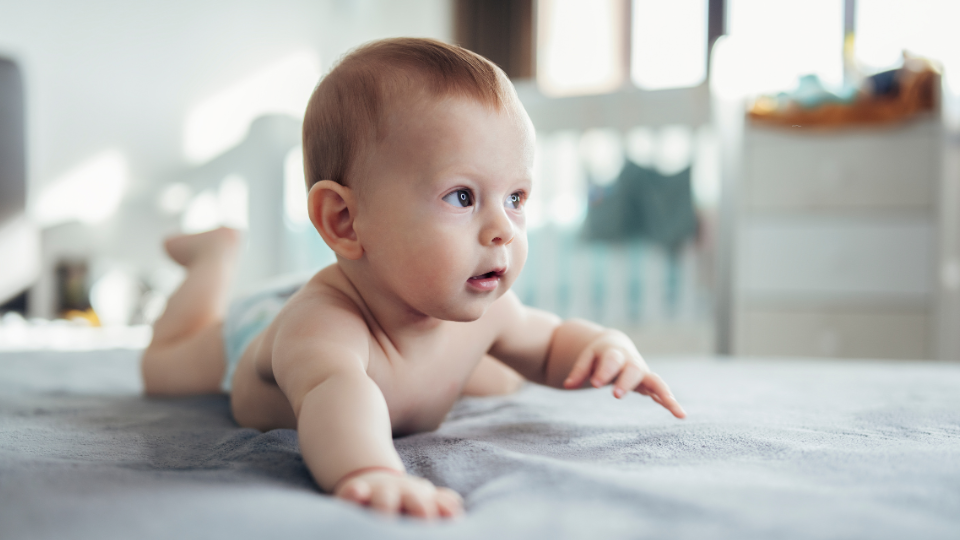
{"points": [[186, 354], [492, 378]]}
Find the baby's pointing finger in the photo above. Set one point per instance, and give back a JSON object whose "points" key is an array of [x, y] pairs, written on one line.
{"points": [[674, 407], [610, 364], [659, 389]]}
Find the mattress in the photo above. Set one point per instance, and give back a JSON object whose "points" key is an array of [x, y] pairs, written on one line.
{"points": [[772, 448]]}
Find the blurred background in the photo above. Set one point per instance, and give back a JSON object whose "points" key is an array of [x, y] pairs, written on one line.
{"points": [[747, 177]]}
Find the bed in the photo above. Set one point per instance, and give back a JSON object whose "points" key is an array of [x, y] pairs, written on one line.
{"points": [[771, 449]]}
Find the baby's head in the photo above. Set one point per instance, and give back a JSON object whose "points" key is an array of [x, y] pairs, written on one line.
{"points": [[418, 156]]}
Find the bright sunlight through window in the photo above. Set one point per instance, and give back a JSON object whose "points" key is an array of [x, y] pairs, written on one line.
{"points": [[580, 46], [922, 27], [668, 43], [774, 42]]}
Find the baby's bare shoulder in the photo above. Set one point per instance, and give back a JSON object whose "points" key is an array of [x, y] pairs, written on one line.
{"points": [[320, 331], [321, 317], [323, 307]]}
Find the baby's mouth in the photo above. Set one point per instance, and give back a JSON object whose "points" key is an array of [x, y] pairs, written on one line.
{"points": [[490, 274], [487, 281]]}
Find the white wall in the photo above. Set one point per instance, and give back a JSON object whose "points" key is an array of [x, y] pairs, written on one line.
{"points": [[103, 74]]}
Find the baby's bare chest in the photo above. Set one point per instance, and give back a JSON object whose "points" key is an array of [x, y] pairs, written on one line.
{"points": [[422, 385]]}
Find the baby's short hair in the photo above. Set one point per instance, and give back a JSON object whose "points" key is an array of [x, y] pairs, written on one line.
{"points": [[346, 111]]}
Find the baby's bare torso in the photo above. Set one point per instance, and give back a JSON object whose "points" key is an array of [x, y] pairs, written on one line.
{"points": [[420, 378]]}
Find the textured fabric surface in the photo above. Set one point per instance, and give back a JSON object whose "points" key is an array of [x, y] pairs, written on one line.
{"points": [[771, 449]]}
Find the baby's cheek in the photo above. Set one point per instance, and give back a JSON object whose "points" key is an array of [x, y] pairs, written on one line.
{"points": [[518, 258], [440, 266]]}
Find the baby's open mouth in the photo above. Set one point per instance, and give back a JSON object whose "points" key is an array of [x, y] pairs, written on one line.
{"points": [[487, 281], [490, 274]]}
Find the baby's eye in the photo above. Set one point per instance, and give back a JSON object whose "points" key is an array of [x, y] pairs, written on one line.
{"points": [[460, 197], [515, 200]]}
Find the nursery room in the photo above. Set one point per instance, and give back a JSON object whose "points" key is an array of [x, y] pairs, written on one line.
{"points": [[717, 296]]}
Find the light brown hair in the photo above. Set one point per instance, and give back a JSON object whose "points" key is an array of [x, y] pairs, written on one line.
{"points": [[346, 111]]}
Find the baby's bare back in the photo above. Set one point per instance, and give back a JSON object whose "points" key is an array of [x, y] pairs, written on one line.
{"points": [[420, 373]]}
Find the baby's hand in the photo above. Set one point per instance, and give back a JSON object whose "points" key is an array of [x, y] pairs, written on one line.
{"points": [[613, 356], [394, 492]]}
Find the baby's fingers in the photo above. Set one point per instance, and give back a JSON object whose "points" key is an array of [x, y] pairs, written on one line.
{"points": [[418, 503], [652, 396], [610, 364], [356, 491], [581, 370], [449, 502], [386, 499], [629, 378], [654, 386]]}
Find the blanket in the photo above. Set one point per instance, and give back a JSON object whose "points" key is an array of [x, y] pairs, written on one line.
{"points": [[771, 449]]}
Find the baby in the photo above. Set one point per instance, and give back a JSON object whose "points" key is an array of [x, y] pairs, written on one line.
{"points": [[418, 158]]}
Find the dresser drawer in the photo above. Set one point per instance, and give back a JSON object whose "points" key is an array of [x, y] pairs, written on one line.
{"points": [[845, 333], [835, 257], [882, 169]]}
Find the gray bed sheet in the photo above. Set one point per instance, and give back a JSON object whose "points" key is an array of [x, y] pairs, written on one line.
{"points": [[771, 449]]}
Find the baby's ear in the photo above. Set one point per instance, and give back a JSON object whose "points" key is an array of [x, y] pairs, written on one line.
{"points": [[333, 209]]}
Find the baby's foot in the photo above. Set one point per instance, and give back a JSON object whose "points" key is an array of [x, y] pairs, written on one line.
{"points": [[187, 249]]}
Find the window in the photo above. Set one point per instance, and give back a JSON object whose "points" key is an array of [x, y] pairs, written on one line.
{"points": [[923, 27], [589, 46], [780, 40], [668, 43], [580, 46]]}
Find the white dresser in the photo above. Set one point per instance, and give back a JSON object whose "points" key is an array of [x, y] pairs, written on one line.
{"points": [[835, 242]]}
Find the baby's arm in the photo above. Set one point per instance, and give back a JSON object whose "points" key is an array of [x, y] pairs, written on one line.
{"points": [[567, 354], [319, 361]]}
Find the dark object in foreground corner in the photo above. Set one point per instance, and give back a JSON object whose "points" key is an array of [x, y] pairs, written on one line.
{"points": [[13, 172], [17, 304]]}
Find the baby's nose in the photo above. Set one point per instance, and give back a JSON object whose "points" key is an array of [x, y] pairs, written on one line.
{"points": [[499, 231]]}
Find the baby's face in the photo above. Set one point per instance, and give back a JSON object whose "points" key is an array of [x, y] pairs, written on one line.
{"points": [[441, 205]]}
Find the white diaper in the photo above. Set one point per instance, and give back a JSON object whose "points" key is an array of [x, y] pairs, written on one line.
{"points": [[247, 317]]}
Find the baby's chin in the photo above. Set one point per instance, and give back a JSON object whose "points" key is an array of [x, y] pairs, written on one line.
{"points": [[460, 315], [462, 311]]}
